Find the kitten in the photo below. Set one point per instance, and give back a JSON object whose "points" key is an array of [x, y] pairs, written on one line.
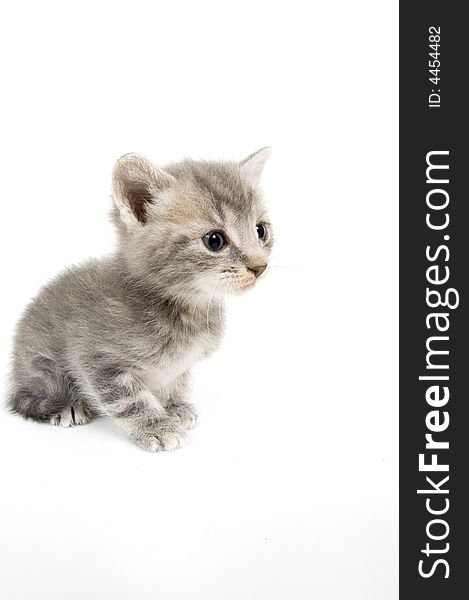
{"points": [[118, 336]]}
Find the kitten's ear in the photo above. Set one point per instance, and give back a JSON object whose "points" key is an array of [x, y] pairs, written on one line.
{"points": [[136, 184], [253, 165]]}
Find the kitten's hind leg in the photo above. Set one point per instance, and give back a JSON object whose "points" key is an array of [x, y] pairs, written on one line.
{"points": [[40, 389], [76, 414]]}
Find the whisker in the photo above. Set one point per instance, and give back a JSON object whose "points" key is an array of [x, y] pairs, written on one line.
{"points": [[208, 311], [284, 267]]}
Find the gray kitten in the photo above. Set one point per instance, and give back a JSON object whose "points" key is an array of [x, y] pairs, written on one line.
{"points": [[118, 336]]}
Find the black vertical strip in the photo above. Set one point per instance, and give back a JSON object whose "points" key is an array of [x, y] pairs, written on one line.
{"points": [[433, 123]]}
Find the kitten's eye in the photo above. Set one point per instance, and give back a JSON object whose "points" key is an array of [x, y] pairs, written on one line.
{"points": [[214, 241], [261, 231]]}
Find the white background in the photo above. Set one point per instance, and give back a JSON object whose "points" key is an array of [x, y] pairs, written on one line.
{"points": [[288, 487]]}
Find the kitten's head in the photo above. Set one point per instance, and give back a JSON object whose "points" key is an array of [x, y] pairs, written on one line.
{"points": [[193, 228]]}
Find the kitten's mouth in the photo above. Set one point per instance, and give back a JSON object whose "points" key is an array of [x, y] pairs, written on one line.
{"points": [[244, 287], [239, 285]]}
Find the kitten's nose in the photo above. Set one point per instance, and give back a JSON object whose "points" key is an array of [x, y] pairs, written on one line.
{"points": [[258, 270]]}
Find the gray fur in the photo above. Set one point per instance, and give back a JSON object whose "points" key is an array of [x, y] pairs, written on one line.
{"points": [[118, 336]]}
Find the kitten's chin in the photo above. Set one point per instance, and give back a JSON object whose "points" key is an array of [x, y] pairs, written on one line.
{"points": [[225, 288], [240, 289], [245, 288]]}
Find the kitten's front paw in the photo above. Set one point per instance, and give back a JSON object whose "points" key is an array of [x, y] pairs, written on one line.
{"points": [[166, 435], [185, 413]]}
